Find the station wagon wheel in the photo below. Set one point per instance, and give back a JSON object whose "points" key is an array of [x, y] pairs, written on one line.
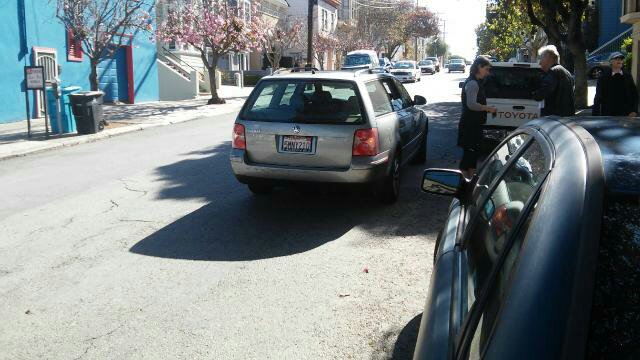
{"points": [[388, 190]]}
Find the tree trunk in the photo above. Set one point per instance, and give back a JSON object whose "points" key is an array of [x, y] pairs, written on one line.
{"points": [[580, 65], [93, 75], [215, 99]]}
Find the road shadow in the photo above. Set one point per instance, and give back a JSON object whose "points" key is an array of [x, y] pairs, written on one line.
{"points": [[443, 134], [236, 225], [404, 345], [134, 113]]}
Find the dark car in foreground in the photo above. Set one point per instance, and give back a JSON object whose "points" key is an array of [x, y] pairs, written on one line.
{"points": [[540, 255]]}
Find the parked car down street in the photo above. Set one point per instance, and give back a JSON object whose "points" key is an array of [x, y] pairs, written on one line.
{"points": [[386, 64], [427, 67], [540, 248], [329, 127], [406, 70], [457, 65], [436, 62], [361, 59]]}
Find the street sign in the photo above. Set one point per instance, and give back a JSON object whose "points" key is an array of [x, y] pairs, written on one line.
{"points": [[34, 77]]}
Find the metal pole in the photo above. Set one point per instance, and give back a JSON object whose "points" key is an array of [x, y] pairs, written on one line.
{"points": [[310, 33], [26, 97], [46, 113]]}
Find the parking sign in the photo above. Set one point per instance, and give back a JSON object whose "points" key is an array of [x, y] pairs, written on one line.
{"points": [[34, 77]]}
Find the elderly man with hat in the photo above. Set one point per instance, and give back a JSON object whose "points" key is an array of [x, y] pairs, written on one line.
{"points": [[616, 92]]}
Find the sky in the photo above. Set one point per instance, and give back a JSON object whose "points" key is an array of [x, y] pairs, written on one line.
{"points": [[462, 17]]}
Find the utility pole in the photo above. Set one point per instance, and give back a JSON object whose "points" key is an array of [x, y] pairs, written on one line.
{"points": [[310, 33], [415, 48]]}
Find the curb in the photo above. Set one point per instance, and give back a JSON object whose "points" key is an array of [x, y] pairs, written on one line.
{"points": [[84, 139]]}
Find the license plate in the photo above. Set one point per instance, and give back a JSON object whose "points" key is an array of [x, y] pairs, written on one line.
{"points": [[296, 144]]}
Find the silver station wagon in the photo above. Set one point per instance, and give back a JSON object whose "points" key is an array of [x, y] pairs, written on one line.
{"points": [[329, 127]]}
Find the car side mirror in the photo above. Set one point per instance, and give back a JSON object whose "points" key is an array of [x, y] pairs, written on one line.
{"points": [[419, 100], [442, 182], [461, 84]]}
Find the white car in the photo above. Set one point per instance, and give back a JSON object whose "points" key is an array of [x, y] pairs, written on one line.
{"points": [[509, 88], [361, 59], [406, 70]]}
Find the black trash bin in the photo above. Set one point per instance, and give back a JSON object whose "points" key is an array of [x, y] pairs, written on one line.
{"points": [[87, 109]]}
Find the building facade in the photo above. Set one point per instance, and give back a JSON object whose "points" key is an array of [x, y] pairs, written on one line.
{"points": [[609, 12], [631, 16], [30, 34], [325, 18]]}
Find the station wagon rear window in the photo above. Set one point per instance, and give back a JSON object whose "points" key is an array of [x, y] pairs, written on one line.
{"points": [[305, 101], [512, 82]]}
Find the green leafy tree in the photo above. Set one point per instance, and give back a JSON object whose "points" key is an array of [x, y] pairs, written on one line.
{"points": [[437, 48], [562, 21], [506, 29]]}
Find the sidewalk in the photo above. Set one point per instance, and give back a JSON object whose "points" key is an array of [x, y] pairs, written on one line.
{"points": [[122, 119]]}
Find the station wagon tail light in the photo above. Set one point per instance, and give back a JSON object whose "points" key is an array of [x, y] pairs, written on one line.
{"points": [[365, 142], [239, 140]]}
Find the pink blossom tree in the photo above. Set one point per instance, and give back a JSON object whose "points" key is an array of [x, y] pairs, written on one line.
{"points": [[99, 27], [322, 44], [348, 38], [283, 36], [215, 28]]}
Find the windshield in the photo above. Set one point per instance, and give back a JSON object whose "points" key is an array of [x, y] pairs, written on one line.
{"points": [[304, 101], [457, 61], [357, 59], [512, 82], [403, 65], [432, 59], [425, 62]]}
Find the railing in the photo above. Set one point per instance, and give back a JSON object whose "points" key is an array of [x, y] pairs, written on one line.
{"points": [[612, 45], [181, 64]]}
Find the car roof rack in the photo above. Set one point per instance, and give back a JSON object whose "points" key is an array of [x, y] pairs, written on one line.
{"points": [[296, 69], [369, 71]]}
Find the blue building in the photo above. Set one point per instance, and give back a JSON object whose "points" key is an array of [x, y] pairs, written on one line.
{"points": [[609, 12], [30, 34]]}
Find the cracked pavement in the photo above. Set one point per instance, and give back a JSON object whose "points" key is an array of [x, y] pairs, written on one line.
{"points": [[144, 246]]}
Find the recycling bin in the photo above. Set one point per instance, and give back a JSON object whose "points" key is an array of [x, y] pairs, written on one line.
{"points": [[66, 124], [87, 109]]}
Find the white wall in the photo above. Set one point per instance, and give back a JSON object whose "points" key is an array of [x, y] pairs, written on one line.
{"points": [[174, 86]]}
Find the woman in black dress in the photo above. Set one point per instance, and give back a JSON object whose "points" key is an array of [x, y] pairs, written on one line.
{"points": [[474, 114]]}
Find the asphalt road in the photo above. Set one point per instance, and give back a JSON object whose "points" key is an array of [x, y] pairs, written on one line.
{"points": [[145, 246]]}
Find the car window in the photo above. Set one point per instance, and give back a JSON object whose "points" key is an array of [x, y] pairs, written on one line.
{"points": [[357, 59], [380, 97], [497, 218], [512, 82], [404, 94], [497, 293], [304, 101], [615, 328], [494, 165]]}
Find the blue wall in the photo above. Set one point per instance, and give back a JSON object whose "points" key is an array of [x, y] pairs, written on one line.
{"points": [[610, 12], [37, 19]]}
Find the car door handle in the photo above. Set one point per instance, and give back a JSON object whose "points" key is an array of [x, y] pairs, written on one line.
{"points": [[518, 107]]}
